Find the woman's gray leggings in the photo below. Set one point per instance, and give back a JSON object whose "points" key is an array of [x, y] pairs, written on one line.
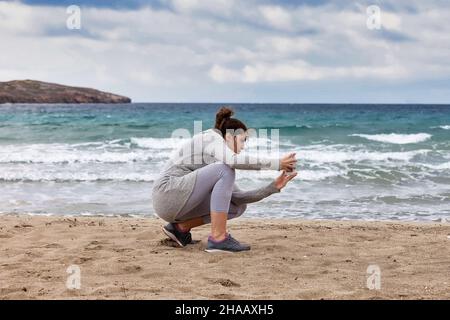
{"points": [[212, 192]]}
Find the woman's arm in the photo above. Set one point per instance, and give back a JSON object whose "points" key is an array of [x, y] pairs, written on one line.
{"points": [[216, 147], [239, 196]]}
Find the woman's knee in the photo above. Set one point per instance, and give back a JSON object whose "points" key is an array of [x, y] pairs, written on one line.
{"points": [[225, 170], [224, 173]]}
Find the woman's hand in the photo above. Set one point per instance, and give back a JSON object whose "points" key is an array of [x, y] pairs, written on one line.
{"points": [[284, 178], [288, 162]]}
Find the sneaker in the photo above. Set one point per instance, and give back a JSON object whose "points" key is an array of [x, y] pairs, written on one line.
{"points": [[182, 238], [229, 244]]}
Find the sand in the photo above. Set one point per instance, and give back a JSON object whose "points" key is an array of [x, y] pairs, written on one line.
{"points": [[130, 258]]}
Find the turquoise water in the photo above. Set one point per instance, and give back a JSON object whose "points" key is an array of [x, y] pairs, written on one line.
{"points": [[355, 161]]}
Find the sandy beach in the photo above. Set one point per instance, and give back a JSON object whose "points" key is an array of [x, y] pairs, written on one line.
{"points": [[129, 258]]}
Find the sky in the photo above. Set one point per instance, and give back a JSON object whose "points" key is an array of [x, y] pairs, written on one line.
{"points": [[251, 51]]}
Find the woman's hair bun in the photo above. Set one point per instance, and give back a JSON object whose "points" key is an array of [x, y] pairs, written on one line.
{"points": [[223, 114]]}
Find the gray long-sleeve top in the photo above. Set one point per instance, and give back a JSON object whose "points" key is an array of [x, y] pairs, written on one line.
{"points": [[175, 184], [239, 196]]}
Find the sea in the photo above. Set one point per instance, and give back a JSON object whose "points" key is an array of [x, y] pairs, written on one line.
{"points": [[355, 161]]}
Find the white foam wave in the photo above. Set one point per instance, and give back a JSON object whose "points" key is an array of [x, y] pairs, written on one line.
{"points": [[256, 175], [327, 154], [66, 153], [158, 143], [395, 137], [442, 166], [64, 176], [317, 175], [310, 175], [174, 143], [446, 127], [263, 143]]}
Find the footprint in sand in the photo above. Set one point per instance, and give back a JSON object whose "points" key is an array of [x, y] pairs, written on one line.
{"points": [[132, 269], [83, 260], [227, 283], [224, 296], [94, 245], [5, 235], [23, 225], [168, 243], [215, 259], [120, 250], [52, 246]]}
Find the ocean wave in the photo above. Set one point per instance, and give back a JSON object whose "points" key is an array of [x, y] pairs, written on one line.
{"points": [[395, 138], [115, 152], [300, 127], [318, 175], [260, 143], [64, 176], [442, 166], [64, 153], [174, 143], [117, 173], [158, 143], [307, 175], [331, 154], [35, 176], [446, 127]]}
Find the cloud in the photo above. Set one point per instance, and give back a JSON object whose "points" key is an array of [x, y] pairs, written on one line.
{"points": [[277, 17], [217, 7], [115, 4], [202, 50], [302, 71]]}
